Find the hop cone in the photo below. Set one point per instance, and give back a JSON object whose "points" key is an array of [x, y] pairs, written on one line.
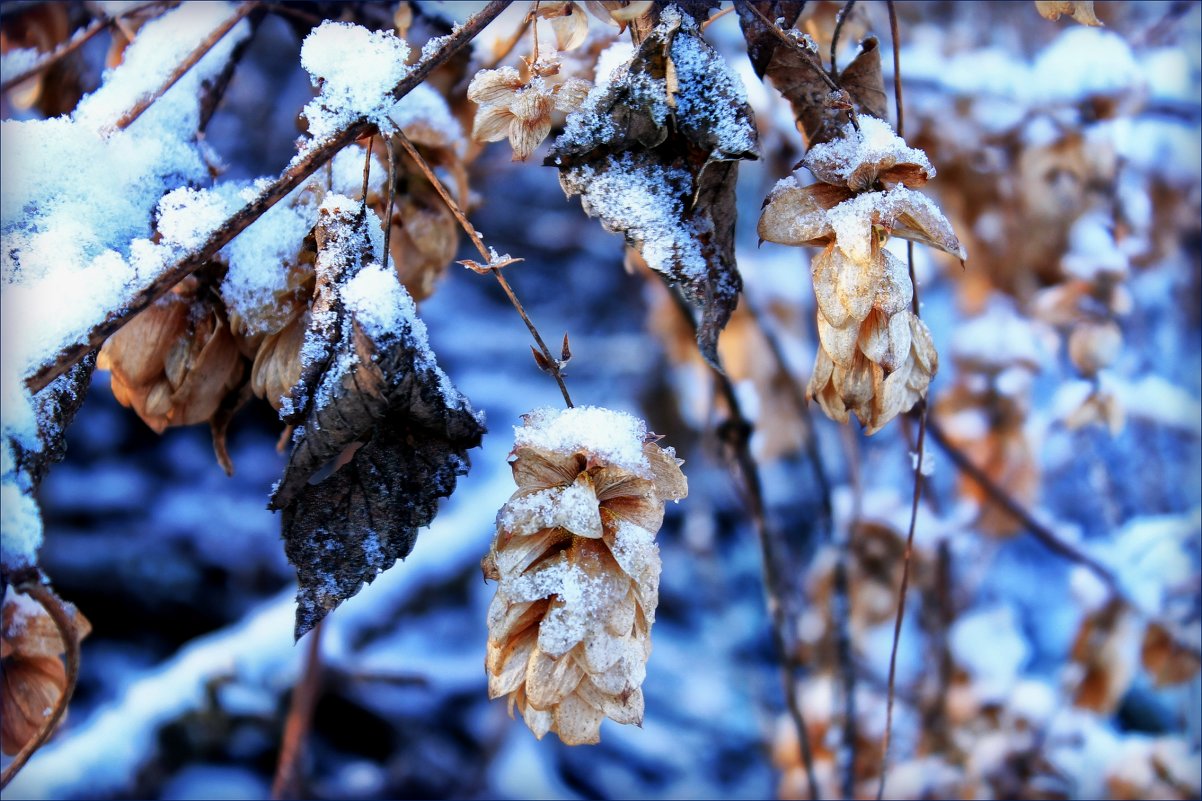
{"points": [[575, 556]]}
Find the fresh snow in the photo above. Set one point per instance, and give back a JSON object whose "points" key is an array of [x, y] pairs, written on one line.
{"points": [[356, 71], [613, 437], [78, 198]]}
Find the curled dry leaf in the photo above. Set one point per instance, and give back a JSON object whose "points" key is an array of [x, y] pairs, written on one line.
{"points": [[371, 400], [793, 70], [1080, 10], [578, 570], [569, 22], [1101, 651], [33, 676], [654, 154], [619, 12]]}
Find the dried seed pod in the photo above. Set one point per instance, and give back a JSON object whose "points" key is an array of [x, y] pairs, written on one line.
{"points": [[578, 568], [33, 674], [175, 361], [519, 109], [875, 357]]}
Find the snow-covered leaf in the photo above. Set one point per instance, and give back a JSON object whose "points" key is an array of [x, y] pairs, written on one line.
{"points": [[372, 398], [654, 154]]}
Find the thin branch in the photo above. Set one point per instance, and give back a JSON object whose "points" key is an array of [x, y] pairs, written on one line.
{"points": [[841, 613], [299, 722], [844, 13], [552, 364], [64, 622], [792, 44], [1003, 499], [920, 451], [901, 601], [207, 44], [507, 46], [388, 145], [738, 431], [706, 23], [74, 43], [305, 164], [897, 80]]}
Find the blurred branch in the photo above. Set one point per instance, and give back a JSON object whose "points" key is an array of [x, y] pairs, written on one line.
{"points": [[75, 42], [736, 434], [844, 13], [301, 168], [287, 782], [1003, 499], [62, 617]]}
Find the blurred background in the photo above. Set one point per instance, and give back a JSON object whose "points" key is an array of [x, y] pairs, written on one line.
{"points": [[1068, 161]]}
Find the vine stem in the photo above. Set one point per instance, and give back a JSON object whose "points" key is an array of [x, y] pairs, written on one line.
{"points": [[181, 69], [1045, 535], [299, 722], [920, 453], [304, 165], [841, 605], [64, 621], [844, 13], [792, 44], [552, 363], [744, 467], [74, 43]]}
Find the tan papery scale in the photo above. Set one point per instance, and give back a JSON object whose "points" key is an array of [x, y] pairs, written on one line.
{"points": [[578, 569]]}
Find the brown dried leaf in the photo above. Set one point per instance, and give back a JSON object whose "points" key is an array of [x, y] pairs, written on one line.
{"points": [[1166, 659], [796, 215], [1080, 10], [368, 383], [660, 166], [792, 71]]}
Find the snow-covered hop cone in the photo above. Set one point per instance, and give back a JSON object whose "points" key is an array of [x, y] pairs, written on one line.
{"points": [[875, 356], [569, 631]]}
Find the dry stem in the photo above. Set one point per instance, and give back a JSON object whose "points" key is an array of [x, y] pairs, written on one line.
{"points": [[844, 13], [552, 363], [920, 453], [744, 467], [74, 43], [188, 63], [63, 621], [299, 722], [301, 168]]}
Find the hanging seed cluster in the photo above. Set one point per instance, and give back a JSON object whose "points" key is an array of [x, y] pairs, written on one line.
{"points": [[875, 356], [578, 569]]}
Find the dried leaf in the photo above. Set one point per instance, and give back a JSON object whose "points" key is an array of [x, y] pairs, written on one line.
{"points": [[659, 165], [794, 71], [369, 383], [795, 215], [1166, 659], [1080, 10]]}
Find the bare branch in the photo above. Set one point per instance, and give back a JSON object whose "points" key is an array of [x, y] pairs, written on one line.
{"points": [[75, 43], [553, 365], [299, 722], [304, 166], [742, 464]]}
